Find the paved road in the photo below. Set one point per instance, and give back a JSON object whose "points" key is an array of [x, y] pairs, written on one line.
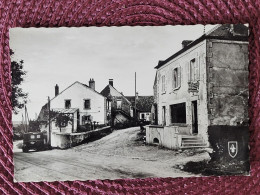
{"points": [[118, 155]]}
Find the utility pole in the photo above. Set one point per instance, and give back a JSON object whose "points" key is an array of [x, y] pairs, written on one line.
{"points": [[25, 116], [49, 121], [135, 115]]}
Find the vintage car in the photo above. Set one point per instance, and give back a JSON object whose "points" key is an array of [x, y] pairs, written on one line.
{"points": [[35, 141]]}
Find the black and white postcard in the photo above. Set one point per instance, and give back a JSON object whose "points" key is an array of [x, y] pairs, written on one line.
{"points": [[129, 102]]}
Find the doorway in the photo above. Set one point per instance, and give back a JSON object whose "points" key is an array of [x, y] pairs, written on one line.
{"points": [[163, 116], [194, 110]]}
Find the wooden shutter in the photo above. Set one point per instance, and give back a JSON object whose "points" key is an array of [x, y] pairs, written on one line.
{"points": [[188, 68], [179, 76], [197, 69], [172, 77]]}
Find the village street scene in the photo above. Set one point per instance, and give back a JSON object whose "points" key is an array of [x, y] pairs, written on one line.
{"points": [[193, 121]]}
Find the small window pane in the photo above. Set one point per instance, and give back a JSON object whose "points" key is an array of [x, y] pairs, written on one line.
{"points": [[67, 104], [119, 104], [87, 104]]}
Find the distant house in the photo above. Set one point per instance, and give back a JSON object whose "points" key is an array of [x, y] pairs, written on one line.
{"points": [[201, 87], [121, 107], [81, 103], [143, 106]]}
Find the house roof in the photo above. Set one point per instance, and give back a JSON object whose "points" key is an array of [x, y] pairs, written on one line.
{"points": [[237, 32], [42, 114], [110, 91], [74, 84], [143, 103]]}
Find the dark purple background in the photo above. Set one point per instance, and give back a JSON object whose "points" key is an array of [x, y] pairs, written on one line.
{"points": [[51, 13]]}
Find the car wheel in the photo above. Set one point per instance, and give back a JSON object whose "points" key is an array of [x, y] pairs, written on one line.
{"points": [[25, 150]]}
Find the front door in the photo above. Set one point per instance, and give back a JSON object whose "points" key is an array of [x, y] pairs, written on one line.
{"points": [[194, 110], [163, 116]]}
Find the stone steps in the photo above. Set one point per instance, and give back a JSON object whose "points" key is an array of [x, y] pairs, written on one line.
{"points": [[192, 141]]}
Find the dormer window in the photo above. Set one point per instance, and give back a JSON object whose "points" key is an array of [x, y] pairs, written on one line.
{"points": [[67, 104]]}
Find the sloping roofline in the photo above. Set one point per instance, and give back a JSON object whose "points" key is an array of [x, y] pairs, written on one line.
{"points": [[200, 39], [118, 92], [74, 84]]}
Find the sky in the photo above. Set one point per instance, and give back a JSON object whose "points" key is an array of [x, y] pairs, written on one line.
{"points": [[65, 55]]}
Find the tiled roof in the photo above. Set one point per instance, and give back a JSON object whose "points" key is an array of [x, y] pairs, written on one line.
{"points": [[110, 91], [43, 116]]}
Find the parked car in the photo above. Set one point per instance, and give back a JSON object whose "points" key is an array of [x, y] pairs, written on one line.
{"points": [[34, 141]]}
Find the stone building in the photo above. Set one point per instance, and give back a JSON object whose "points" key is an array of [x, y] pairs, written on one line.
{"points": [[203, 86], [121, 108]]}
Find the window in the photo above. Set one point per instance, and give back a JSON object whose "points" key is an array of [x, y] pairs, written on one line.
{"points": [[176, 78], [178, 113], [163, 84], [142, 116], [67, 104], [194, 70], [119, 103], [86, 119], [87, 104], [108, 105]]}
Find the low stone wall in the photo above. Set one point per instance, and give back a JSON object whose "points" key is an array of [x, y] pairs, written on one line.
{"points": [[163, 136], [67, 140]]}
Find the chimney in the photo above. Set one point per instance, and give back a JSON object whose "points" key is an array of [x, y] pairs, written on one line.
{"points": [[185, 43], [56, 90], [92, 84], [111, 82]]}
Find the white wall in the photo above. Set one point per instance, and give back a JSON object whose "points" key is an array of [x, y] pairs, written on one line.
{"points": [[147, 116], [182, 95], [77, 93]]}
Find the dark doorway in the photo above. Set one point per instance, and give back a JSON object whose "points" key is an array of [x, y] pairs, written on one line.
{"points": [[194, 112], [156, 114], [163, 116]]}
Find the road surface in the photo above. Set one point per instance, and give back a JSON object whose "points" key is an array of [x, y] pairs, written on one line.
{"points": [[115, 156]]}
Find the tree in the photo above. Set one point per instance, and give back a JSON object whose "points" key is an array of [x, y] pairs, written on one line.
{"points": [[19, 98], [63, 119], [34, 126]]}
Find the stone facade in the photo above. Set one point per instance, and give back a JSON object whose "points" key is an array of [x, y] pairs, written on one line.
{"points": [[203, 85]]}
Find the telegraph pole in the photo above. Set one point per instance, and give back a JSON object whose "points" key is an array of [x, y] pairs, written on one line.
{"points": [[49, 121], [135, 115], [25, 116]]}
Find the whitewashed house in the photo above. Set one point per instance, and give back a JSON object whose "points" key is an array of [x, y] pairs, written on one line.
{"points": [[202, 86], [81, 103]]}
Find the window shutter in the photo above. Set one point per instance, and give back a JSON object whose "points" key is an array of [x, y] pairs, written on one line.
{"points": [[198, 68], [188, 68], [179, 76], [172, 76]]}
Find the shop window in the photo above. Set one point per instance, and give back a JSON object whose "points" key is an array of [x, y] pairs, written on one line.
{"points": [[178, 113]]}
